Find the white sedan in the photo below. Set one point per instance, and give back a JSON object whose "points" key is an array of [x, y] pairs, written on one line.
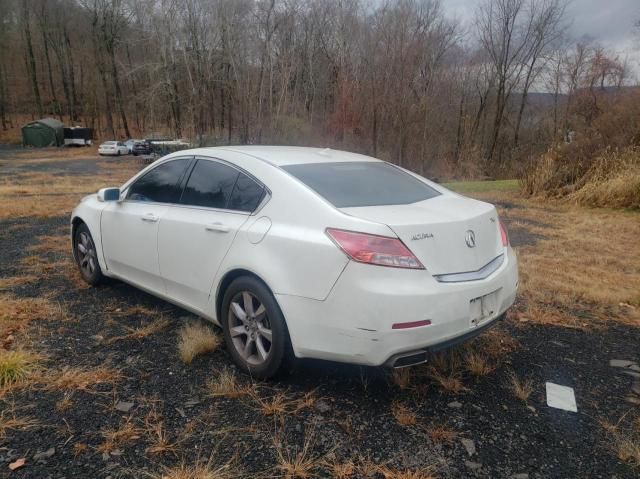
{"points": [[116, 148], [303, 252]]}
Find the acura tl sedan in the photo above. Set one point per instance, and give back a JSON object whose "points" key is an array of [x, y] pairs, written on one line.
{"points": [[303, 252]]}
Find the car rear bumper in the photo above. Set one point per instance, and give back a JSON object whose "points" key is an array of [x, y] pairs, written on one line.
{"points": [[355, 322]]}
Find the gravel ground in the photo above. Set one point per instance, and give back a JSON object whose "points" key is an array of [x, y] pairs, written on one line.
{"points": [[351, 416]]}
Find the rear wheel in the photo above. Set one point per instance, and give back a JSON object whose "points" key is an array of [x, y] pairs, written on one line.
{"points": [[84, 250], [254, 328]]}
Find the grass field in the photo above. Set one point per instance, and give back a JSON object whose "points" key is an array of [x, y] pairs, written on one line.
{"points": [[494, 186], [118, 383]]}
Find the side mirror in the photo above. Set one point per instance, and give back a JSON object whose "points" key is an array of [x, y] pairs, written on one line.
{"points": [[109, 194]]}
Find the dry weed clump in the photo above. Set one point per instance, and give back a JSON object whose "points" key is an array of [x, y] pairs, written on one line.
{"points": [[226, 385], [403, 415], [521, 389], [195, 339], [440, 433], [115, 438], [141, 332], [624, 442], [280, 403], [15, 366]]}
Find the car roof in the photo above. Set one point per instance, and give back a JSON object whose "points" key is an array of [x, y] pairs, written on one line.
{"points": [[290, 155]]}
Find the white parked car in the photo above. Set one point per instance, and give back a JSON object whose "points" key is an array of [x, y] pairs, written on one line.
{"points": [[303, 252], [116, 148]]}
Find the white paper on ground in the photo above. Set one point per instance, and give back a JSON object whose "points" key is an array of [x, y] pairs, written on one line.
{"points": [[561, 397]]}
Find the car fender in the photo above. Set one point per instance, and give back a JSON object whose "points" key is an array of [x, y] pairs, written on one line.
{"points": [[89, 211]]}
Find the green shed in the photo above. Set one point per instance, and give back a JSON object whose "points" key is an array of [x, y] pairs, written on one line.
{"points": [[44, 132]]}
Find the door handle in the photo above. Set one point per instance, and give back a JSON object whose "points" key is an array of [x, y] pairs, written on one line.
{"points": [[150, 218], [219, 227]]}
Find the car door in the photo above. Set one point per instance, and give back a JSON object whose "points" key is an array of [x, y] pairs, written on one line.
{"points": [[129, 228], [195, 235]]}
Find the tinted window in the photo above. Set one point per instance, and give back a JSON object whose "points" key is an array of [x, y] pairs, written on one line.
{"points": [[246, 195], [360, 183], [160, 184], [210, 184]]}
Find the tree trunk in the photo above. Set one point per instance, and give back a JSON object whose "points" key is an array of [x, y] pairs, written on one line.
{"points": [[31, 61]]}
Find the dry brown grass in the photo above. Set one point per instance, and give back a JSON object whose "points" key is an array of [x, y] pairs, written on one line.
{"points": [[209, 470], [585, 272], [45, 194], [60, 244], [226, 385], [15, 366], [10, 421], [140, 332], [478, 364], [65, 403], [77, 378], [521, 388], [389, 473], [297, 463], [159, 439], [495, 343], [116, 438], [403, 415], [195, 339], [340, 470], [280, 404], [402, 377], [14, 281], [440, 433], [624, 442]]}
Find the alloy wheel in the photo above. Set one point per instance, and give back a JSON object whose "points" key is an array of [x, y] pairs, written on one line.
{"points": [[249, 328], [86, 252]]}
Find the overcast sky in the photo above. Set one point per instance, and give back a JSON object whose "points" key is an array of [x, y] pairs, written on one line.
{"points": [[609, 22]]}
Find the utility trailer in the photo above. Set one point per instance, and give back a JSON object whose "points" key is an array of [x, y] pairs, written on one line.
{"points": [[77, 135]]}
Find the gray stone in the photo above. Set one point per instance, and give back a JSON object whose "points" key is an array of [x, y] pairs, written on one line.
{"points": [[633, 374], [521, 475], [474, 466], [620, 363], [455, 405], [44, 455], [124, 406], [469, 445], [632, 400], [322, 406]]}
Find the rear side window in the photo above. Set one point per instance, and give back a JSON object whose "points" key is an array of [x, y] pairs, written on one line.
{"points": [[210, 184], [161, 184], [247, 194], [362, 183]]}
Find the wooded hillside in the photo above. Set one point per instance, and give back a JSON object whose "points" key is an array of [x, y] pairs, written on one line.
{"points": [[396, 79]]}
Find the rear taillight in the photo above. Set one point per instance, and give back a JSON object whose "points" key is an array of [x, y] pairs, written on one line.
{"points": [[374, 249], [504, 236]]}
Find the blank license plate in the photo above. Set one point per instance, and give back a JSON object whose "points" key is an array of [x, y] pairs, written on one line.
{"points": [[482, 309]]}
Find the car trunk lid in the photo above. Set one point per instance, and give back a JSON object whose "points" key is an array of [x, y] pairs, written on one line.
{"points": [[448, 233]]}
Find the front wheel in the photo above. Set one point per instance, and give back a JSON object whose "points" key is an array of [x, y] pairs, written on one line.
{"points": [[254, 328], [84, 251]]}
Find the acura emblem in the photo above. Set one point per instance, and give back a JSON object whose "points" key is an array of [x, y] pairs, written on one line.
{"points": [[470, 239]]}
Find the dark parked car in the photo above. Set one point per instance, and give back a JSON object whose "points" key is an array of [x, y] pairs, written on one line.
{"points": [[142, 148]]}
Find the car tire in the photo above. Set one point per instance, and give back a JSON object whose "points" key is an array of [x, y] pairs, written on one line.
{"points": [[85, 255], [256, 329]]}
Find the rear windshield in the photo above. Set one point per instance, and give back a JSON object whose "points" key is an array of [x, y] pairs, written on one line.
{"points": [[362, 183]]}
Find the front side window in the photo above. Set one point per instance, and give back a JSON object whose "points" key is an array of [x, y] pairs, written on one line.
{"points": [[210, 184], [161, 184], [215, 185]]}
